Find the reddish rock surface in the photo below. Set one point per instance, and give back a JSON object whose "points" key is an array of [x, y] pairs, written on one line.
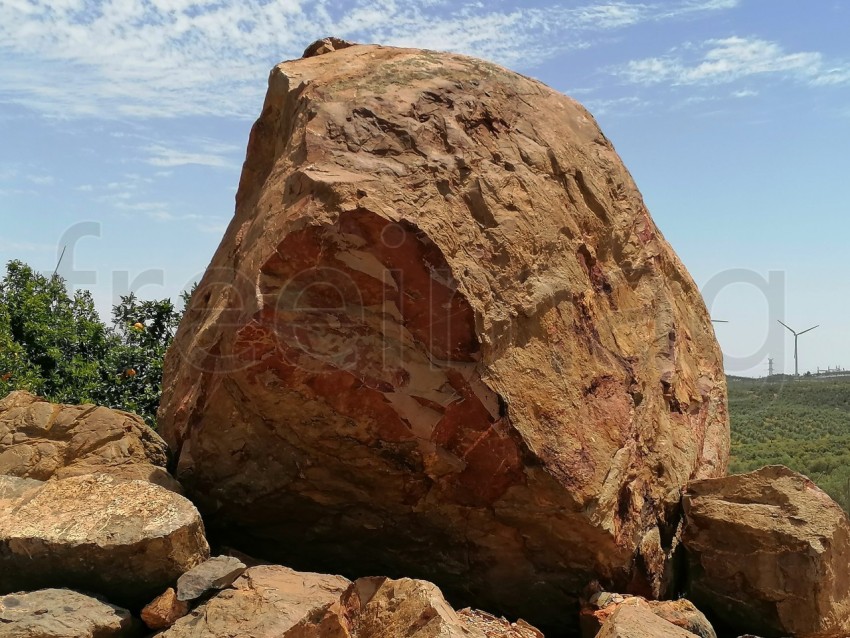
{"points": [[443, 338], [769, 554], [164, 610]]}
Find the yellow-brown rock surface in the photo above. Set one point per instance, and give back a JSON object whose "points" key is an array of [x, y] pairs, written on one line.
{"points": [[769, 554], [443, 338], [271, 601], [42, 440], [125, 540]]}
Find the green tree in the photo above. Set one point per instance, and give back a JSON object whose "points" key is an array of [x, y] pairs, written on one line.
{"points": [[52, 342], [142, 330]]}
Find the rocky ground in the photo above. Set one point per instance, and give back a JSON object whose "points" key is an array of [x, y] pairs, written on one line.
{"points": [[100, 555], [442, 348]]}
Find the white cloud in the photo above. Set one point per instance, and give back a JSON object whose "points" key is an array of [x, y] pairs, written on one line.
{"points": [[620, 105], [213, 228], [24, 247], [730, 59], [163, 58], [22, 173], [41, 180], [208, 153], [165, 216]]}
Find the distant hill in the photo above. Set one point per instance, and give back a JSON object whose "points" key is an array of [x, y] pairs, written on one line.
{"points": [[801, 423]]}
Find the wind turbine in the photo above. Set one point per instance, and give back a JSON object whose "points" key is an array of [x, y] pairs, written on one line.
{"points": [[797, 334]]}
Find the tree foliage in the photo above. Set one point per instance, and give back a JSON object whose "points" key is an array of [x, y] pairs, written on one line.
{"points": [[54, 344]]}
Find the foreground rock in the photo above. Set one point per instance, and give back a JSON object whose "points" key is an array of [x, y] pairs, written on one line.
{"points": [[273, 601], [769, 554], [42, 440], [214, 574], [494, 627], [378, 607], [265, 602], [442, 317], [639, 621], [681, 613], [61, 613], [127, 540], [164, 610]]}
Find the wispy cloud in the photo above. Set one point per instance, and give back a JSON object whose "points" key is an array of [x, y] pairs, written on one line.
{"points": [[621, 105], [23, 173], [731, 59], [24, 247], [163, 58], [207, 153]]}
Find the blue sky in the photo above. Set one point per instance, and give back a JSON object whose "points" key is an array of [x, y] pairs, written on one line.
{"points": [[123, 126]]}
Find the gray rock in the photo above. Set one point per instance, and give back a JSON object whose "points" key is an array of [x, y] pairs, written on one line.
{"points": [[62, 613], [215, 574], [13, 487]]}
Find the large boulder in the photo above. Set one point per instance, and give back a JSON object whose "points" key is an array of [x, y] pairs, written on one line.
{"points": [[442, 338], [62, 613], [127, 540], [41, 440], [769, 554]]}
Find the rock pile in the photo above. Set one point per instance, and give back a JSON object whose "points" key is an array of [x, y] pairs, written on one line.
{"points": [[133, 542]]}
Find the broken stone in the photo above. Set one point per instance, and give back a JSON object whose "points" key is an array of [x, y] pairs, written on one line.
{"points": [[213, 574]]}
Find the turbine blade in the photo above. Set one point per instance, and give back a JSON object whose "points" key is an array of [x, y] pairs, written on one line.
{"points": [[808, 329], [787, 326]]}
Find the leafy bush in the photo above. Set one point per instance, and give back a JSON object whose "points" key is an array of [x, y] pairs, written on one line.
{"points": [[54, 344]]}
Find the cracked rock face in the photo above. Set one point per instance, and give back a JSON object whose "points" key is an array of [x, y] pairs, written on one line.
{"points": [[42, 440], [443, 338]]}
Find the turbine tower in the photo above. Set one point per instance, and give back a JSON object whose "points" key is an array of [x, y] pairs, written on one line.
{"points": [[797, 334]]}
